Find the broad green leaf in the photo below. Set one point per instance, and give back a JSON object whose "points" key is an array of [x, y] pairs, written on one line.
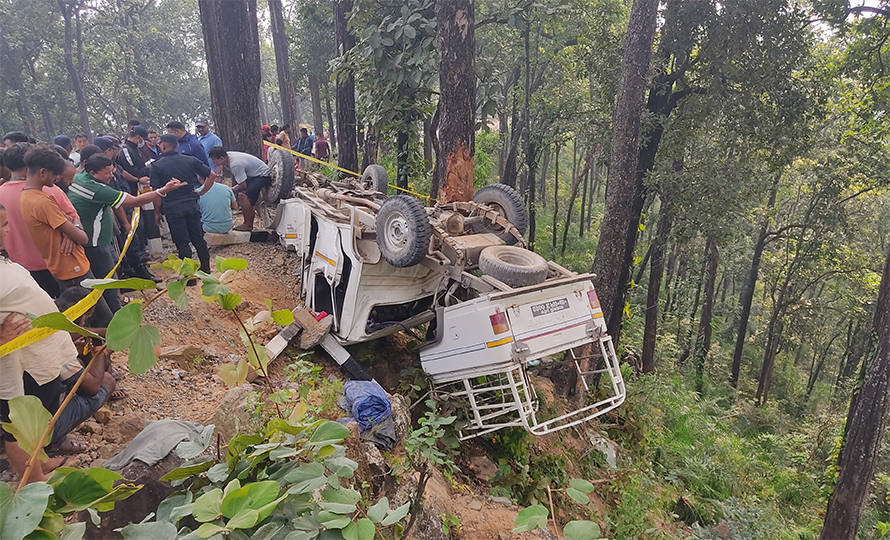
{"points": [[188, 268], [341, 466], [218, 472], [578, 496], [234, 263], [27, 422], [254, 495], [379, 510], [229, 301], [396, 515], [581, 530], [78, 490], [257, 357], [176, 292], [244, 519], [326, 451], [332, 520], [231, 486], [306, 479], [341, 495], [283, 453], [105, 477], [142, 357], [124, 326], [188, 470], [329, 432], [531, 518], [277, 424], [40, 534], [207, 530], [363, 529], [265, 510], [205, 277], [58, 321], [283, 317], [267, 531], [234, 374], [192, 449], [75, 531], [175, 507], [297, 535], [21, 512], [52, 522], [207, 505], [119, 493], [153, 530], [213, 289], [137, 284], [581, 485]]}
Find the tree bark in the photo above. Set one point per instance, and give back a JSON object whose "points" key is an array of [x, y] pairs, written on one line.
{"points": [[402, 140], [282, 64], [232, 46], [556, 197], [332, 139], [866, 422], [369, 152], [348, 153], [68, 11], [656, 270], [703, 342], [619, 226], [15, 74], [747, 294], [455, 21], [315, 95], [576, 181]]}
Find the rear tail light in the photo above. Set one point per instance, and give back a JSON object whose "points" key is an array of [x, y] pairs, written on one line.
{"points": [[593, 299], [499, 322]]}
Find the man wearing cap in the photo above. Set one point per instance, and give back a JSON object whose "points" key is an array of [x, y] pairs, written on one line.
{"points": [[188, 144], [251, 176], [208, 138], [181, 205]]}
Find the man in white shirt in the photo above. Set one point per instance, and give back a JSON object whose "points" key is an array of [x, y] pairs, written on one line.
{"points": [[251, 176]]}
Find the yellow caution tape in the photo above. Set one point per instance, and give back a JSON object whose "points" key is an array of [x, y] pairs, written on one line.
{"points": [[77, 310], [353, 173]]}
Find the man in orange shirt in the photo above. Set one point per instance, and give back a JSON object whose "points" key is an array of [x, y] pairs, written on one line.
{"points": [[48, 226]]}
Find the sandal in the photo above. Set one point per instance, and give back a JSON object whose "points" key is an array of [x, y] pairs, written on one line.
{"points": [[69, 446], [243, 228], [117, 375], [118, 394]]}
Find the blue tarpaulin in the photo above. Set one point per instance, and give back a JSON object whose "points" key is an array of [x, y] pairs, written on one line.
{"points": [[366, 402]]}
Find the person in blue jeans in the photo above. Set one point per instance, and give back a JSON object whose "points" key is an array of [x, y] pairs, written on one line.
{"points": [[180, 206]]}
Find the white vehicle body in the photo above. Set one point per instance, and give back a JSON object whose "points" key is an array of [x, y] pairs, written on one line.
{"points": [[483, 333]]}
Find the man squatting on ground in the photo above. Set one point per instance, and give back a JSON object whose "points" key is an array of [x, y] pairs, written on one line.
{"points": [[251, 176]]}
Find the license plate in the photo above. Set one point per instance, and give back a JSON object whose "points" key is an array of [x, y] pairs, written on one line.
{"points": [[553, 306]]}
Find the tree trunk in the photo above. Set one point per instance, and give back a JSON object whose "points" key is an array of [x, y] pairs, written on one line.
{"points": [[232, 46], [428, 157], [618, 228], [315, 95], [282, 64], [455, 20], [15, 75], [575, 184], [542, 186], [369, 152], [747, 294], [332, 139], [866, 422], [509, 176], [531, 161], [348, 153], [774, 330], [650, 331], [402, 159], [556, 197], [703, 342], [582, 218], [689, 333], [68, 11]]}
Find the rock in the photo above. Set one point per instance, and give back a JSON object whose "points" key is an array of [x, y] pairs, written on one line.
{"points": [[103, 415], [97, 463], [108, 451], [231, 415], [608, 447], [401, 418], [475, 504], [231, 237], [483, 468], [91, 427], [251, 374], [181, 355], [501, 500], [127, 426]]}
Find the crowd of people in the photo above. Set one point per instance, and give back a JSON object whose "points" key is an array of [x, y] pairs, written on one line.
{"points": [[65, 216]]}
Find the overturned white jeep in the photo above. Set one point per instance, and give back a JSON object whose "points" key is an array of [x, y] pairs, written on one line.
{"points": [[380, 264]]}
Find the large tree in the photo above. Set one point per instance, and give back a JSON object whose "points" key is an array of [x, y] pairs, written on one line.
{"points": [[233, 64], [346, 128], [457, 100], [282, 64], [623, 191]]}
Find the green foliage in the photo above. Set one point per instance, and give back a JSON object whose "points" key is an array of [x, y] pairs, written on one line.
{"points": [[27, 422], [426, 442]]}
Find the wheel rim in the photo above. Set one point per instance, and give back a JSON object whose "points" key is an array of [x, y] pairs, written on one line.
{"points": [[395, 230]]}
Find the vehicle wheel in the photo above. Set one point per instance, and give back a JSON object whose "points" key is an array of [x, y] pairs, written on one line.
{"points": [[403, 231], [505, 201], [282, 165], [515, 266], [374, 179]]}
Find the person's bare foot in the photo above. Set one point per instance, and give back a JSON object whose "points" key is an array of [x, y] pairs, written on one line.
{"points": [[53, 464]]}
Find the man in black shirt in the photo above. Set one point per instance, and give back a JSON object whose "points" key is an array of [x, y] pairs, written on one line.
{"points": [[181, 205]]}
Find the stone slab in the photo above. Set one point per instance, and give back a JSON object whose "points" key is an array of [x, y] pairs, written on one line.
{"points": [[231, 237]]}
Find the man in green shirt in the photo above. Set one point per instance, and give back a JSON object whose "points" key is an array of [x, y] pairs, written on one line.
{"points": [[94, 200]]}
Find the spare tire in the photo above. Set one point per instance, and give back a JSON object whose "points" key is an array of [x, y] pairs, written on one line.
{"points": [[403, 231], [505, 201], [374, 179], [282, 165], [515, 266]]}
